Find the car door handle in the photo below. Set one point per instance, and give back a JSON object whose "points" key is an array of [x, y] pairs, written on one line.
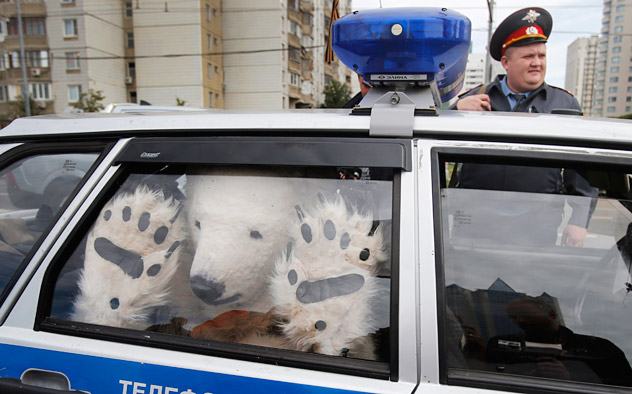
{"points": [[37, 381]]}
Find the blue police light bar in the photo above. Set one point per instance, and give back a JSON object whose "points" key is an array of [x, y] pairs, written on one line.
{"points": [[419, 45]]}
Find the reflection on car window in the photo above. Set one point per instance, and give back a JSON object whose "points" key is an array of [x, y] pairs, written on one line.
{"points": [[31, 192], [288, 258], [523, 300]]}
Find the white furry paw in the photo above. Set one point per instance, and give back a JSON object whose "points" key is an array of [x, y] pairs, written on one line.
{"points": [[131, 257], [323, 284]]}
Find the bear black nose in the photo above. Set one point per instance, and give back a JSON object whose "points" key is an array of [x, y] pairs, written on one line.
{"points": [[207, 289]]}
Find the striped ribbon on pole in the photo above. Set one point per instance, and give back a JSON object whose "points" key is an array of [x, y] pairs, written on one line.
{"points": [[329, 51]]}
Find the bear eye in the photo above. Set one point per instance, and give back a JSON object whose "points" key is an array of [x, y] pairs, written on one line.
{"points": [[255, 235]]}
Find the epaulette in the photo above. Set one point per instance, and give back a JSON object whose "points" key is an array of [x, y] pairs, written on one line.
{"points": [[482, 87], [562, 89]]}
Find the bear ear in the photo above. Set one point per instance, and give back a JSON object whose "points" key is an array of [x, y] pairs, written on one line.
{"points": [[299, 212]]}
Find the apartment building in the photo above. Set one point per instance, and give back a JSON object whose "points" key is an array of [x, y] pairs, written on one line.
{"points": [[38, 62], [200, 53], [275, 53], [613, 71], [581, 58]]}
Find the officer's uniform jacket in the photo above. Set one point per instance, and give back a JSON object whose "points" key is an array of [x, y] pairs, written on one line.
{"points": [[525, 179], [542, 100]]}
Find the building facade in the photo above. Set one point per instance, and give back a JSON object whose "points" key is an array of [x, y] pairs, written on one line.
{"points": [[475, 71], [275, 54], [581, 57], [201, 53], [613, 71]]}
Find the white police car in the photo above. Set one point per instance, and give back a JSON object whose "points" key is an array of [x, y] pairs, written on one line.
{"points": [[323, 251]]}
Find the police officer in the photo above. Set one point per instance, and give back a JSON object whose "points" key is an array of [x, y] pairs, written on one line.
{"points": [[519, 43]]}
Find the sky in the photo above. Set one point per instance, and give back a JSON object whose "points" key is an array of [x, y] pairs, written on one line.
{"points": [[571, 19]]}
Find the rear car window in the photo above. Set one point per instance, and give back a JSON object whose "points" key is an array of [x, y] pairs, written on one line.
{"points": [[32, 190], [536, 265], [279, 257]]}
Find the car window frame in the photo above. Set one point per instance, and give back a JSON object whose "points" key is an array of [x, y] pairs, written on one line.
{"points": [[516, 153], [32, 149], [385, 153]]}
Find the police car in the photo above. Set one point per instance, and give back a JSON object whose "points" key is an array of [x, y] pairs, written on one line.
{"points": [[324, 251]]}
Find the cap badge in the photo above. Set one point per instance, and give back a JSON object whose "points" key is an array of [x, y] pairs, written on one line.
{"points": [[531, 31], [531, 16]]}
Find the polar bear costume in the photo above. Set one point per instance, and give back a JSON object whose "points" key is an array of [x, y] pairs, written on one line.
{"points": [[322, 288], [239, 223], [132, 254]]}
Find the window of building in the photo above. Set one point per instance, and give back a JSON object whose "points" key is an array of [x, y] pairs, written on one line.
{"points": [[216, 96], [40, 91], [214, 12], [612, 89], [628, 99], [599, 102], [131, 69], [616, 49], [132, 97], [37, 58], [518, 310], [293, 4], [295, 79], [611, 109], [31, 26], [216, 68], [308, 19], [209, 42], [210, 99], [629, 88], [129, 9], [215, 41], [616, 39], [618, 29], [603, 53], [74, 93], [70, 28], [602, 73], [616, 59], [614, 79], [72, 60], [208, 13], [129, 39], [620, 8], [614, 69], [4, 93], [67, 1], [612, 99], [295, 54], [627, 109], [629, 79], [295, 28], [619, 19]]}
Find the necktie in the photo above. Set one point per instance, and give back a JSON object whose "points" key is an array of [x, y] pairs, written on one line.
{"points": [[518, 98]]}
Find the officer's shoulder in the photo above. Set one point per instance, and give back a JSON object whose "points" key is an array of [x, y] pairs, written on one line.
{"points": [[562, 90]]}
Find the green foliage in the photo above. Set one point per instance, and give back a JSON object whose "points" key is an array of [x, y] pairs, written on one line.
{"points": [[626, 116], [180, 102], [336, 94], [18, 110], [90, 101]]}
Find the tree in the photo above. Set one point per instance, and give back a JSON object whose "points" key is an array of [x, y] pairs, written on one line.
{"points": [[336, 94], [91, 101], [180, 102], [18, 110], [626, 116]]}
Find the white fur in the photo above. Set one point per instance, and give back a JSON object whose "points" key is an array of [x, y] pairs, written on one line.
{"points": [[347, 317], [101, 280], [229, 205]]}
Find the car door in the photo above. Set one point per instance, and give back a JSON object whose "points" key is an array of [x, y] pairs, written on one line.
{"points": [[533, 266], [227, 264]]}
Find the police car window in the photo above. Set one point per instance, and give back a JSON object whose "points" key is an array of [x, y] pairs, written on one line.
{"points": [[287, 258], [537, 272], [31, 192]]}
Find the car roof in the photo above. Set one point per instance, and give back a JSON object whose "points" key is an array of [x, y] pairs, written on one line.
{"points": [[338, 122]]}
